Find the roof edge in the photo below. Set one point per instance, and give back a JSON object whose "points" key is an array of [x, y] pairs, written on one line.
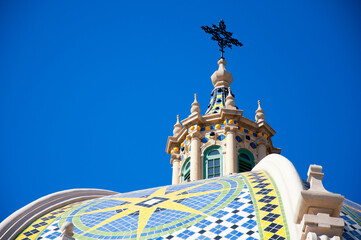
{"points": [[288, 183], [13, 225]]}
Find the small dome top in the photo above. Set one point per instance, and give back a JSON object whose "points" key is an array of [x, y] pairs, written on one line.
{"points": [[221, 77]]}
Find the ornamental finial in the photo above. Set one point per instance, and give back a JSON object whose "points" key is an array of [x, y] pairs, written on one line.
{"points": [[177, 127], [67, 230], [223, 37], [260, 117], [195, 106], [230, 100]]}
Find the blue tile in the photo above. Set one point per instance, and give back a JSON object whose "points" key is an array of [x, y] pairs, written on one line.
{"points": [[234, 235], [235, 219], [249, 224], [239, 139], [218, 229], [253, 145]]}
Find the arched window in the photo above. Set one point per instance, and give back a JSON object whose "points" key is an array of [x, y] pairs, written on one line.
{"points": [[245, 160], [212, 164], [186, 170]]}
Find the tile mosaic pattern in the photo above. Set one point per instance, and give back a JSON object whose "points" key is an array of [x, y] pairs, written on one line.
{"points": [[52, 232], [218, 100], [153, 213], [41, 225], [211, 127], [242, 206], [235, 221], [268, 206], [351, 213]]}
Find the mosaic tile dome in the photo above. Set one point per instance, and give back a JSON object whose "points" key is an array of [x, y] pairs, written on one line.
{"points": [[240, 206]]}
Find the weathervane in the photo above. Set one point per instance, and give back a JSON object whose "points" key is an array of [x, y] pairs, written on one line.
{"points": [[223, 37]]}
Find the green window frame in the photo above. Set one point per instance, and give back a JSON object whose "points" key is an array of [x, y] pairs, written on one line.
{"points": [[213, 162], [186, 170], [245, 160]]}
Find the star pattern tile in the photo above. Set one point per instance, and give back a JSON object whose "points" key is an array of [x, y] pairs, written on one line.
{"points": [[242, 206]]}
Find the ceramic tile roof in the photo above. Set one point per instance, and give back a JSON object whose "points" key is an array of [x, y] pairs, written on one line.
{"points": [[241, 206], [218, 100]]}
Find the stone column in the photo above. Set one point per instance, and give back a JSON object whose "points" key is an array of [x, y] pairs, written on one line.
{"points": [[262, 151], [195, 156], [231, 161], [175, 177]]}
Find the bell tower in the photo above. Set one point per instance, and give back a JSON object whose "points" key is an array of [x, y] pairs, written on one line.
{"points": [[220, 142]]}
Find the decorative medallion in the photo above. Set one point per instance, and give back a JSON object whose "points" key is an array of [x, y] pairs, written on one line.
{"points": [[152, 213]]}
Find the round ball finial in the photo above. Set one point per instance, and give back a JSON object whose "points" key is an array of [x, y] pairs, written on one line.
{"points": [[195, 106], [260, 117], [67, 231], [177, 127], [221, 77]]}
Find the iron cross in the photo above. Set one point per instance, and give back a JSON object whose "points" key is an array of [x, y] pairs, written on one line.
{"points": [[223, 37]]}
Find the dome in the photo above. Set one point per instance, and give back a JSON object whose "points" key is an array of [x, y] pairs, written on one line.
{"points": [[250, 205], [225, 207]]}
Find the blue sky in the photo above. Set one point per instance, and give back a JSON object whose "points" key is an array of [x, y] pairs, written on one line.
{"points": [[90, 90]]}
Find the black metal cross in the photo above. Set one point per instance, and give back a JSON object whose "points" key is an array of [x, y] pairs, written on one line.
{"points": [[223, 37]]}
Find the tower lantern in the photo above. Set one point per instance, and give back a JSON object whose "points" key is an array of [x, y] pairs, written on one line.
{"points": [[222, 141]]}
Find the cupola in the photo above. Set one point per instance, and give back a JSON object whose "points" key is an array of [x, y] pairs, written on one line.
{"points": [[222, 141]]}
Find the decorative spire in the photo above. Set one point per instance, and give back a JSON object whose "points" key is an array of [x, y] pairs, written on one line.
{"points": [[195, 106], [221, 77], [177, 127], [230, 100], [260, 117]]}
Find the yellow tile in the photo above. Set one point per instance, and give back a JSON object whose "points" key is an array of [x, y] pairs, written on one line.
{"points": [[277, 210], [262, 214], [278, 220], [267, 235], [273, 193], [281, 232], [261, 205]]}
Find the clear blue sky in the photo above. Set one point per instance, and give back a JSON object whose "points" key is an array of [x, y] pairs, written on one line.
{"points": [[90, 90]]}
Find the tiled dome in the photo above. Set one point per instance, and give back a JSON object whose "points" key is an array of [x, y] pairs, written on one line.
{"points": [[246, 205], [241, 206]]}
